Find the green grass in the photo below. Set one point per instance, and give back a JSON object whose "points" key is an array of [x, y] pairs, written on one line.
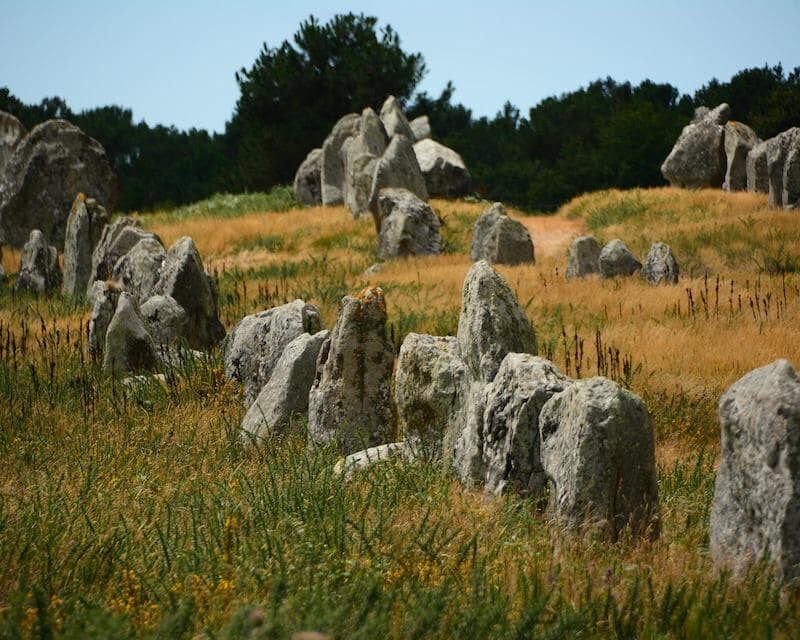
{"points": [[227, 205]]}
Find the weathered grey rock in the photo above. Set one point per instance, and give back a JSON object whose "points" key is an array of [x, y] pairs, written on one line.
{"points": [[116, 239], [756, 507], [739, 140], [351, 403], [254, 346], [12, 131], [468, 463], [757, 175], [397, 168], [394, 120], [47, 169], [360, 154], [700, 114], [499, 239], [138, 270], [286, 393], [491, 324], [446, 175], [583, 257], [597, 447], [129, 348], [182, 276], [348, 466], [783, 169], [421, 128], [165, 320], [409, 227], [511, 423], [660, 265], [103, 298], [39, 271], [616, 260], [85, 224], [431, 391], [308, 179], [332, 170], [698, 158]]}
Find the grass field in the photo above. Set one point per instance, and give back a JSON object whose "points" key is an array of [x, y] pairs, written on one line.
{"points": [[136, 512]]}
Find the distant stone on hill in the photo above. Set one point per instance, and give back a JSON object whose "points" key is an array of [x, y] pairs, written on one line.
{"points": [[421, 128], [739, 140], [617, 260], [128, 346], [757, 494], [308, 180], [397, 168], [698, 158], [394, 120], [46, 171], [360, 154], [408, 226], [85, 225], [757, 175], [500, 239], [332, 170], [39, 270], [11, 132], [583, 257], [783, 169], [660, 265], [446, 175]]}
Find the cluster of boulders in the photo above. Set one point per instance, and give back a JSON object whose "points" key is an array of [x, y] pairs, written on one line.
{"points": [[481, 402], [715, 151], [586, 257]]}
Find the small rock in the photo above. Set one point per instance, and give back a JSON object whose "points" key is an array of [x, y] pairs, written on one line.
{"points": [[446, 175], [332, 170], [408, 227], [129, 347], [660, 266], [616, 260], [85, 225], [307, 180], [421, 128], [583, 257], [366, 458], [39, 271], [499, 239]]}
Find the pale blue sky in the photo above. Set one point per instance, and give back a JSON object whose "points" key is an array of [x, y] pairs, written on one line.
{"points": [[173, 62]]}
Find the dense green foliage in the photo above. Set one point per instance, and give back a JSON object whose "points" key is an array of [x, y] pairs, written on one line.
{"points": [[608, 134]]}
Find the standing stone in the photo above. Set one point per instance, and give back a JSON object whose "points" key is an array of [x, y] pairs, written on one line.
{"points": [[254, 346], [511, 423], [698, 158], [308, 180], [360, 154], [757, 175], [39, 271], [12, 131], [499, 239], [129, 347], [616, 260], [446, 175], [756, 507], [597, 447], [286, 393], [103, 298], [115, 241], [491, 324], [165, 320], [397, 168], [468, 463], [394, 120], [408, 227], [739, 140], [660, 265], [85, 225], [783, 169], [421, 128], [332, 170], [351, 401], [583, 257], [138, 270], [47, 169], [182, 276], [431, 390]]}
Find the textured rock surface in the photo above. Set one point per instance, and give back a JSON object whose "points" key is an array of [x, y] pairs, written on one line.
{"points": [[756, 507], [116, 240], [128, 346], [12, 131], [39, 271], [308, 179], [165, 320], [332, 170], [468, 463], [617, 260], [351, 402], [421, 128], [360, 154], [47, 169], [394, 120], [698, 158], [431, 390], [597, 447], [583, 257], [739, 140], [182, 277], [511, 423], [757, 175], [660, 265], [103, 299], [254, 346], [408, 226], [446, 175], [85, 225], [361, 460], [397, 168], [491, 324], [138, 270], [286, 393], [499, 239], [783, 168]]}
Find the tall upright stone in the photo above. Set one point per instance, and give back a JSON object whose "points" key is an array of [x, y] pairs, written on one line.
{"points": [[660, 265], [332, 169], [409, 227], [583, 257], [783, 169], [308, 179], [698, 158], [757, 175], [499, 239], [360, 154], [85, 225], [138, 270], [397, 168], [739, 140], [103, 298], [394, 120], [116, 240], [128, 346]]}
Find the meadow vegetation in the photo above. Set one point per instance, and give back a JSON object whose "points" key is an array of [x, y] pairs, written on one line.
{"points": [[135, 511]]}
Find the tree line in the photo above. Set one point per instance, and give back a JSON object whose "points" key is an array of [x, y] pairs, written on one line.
{"points": [[607, 134]]}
